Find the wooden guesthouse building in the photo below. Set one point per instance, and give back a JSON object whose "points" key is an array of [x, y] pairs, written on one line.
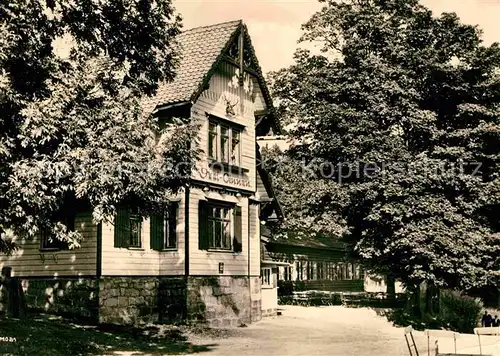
{"points": [[202, 259]]}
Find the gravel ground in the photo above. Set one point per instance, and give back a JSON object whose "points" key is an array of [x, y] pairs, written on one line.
{"points": [[329, 331]]}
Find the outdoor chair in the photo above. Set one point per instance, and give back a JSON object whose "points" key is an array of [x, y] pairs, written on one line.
{"points": [[488, 331], [469, 351], [409, 337]]}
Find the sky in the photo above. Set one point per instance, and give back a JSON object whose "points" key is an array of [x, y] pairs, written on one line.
{"points": [[274, 25]]}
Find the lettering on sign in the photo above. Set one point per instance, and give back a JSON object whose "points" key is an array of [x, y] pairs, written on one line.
{"points": [[218, 177]]}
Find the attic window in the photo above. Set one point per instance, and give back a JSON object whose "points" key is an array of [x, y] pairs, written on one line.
{"points": [[224, 143]]}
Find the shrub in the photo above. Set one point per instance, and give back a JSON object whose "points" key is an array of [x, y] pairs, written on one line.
{"points": [[299, 286], [459, 312], [285, 288], [288, 287]]}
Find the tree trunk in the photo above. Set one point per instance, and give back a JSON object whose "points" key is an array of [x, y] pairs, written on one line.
{"points": [[391, 287], [429, 290], [16, 307], [438, 301], [417, 310]]}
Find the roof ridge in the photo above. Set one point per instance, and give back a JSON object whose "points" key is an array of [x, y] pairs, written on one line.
{"points": [[214, 25]]}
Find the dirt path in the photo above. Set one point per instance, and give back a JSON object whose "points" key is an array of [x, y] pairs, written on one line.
{"points": [[317, 331]]}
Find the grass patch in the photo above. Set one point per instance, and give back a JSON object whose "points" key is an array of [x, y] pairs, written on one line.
{"points": [[48, 335]]}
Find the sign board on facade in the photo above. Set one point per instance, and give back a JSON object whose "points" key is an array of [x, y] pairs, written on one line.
{"points": [[223, 177]]}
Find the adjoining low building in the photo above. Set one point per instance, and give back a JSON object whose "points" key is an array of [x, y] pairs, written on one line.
{"points": [[200, 260], [271, 212], [319, 264]]}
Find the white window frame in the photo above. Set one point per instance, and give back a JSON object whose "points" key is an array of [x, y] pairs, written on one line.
{"points": [[229, 145], [266, 276], [287, 273], [135, 219], [230, 210]]}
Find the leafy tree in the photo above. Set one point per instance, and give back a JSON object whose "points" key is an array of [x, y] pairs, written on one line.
{"points": [[72, 126], [304, 199], [402, 108]]}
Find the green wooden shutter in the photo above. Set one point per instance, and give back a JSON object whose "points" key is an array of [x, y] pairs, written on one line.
{"points": [[157, 223], [172, 225], [122, 227], [203, 235], [238, 230]]}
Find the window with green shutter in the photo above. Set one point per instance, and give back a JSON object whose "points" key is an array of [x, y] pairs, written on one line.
{"points": [[128, 228], [164, 229], [220, 226], [135, 231]]}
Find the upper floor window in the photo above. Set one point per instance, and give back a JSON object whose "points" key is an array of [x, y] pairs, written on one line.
{"points": [[128, 228], [163, 228], [224, 143], [220, 226]]}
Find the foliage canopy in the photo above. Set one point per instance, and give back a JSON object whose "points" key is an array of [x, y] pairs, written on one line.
{"points": [[400, 112], [72, 129]]}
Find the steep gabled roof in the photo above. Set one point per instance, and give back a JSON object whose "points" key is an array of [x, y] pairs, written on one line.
{"points": [[201, 51]]}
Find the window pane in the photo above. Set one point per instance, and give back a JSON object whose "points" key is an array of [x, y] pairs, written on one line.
{"points": [[218, 234], [224, 142], [348, 271], [170, 230], [227, 235], [266, 276], [212, 140], [356, 272], [235, 148], [211, 233], [135, 231], [226, 214], [220, 225]]}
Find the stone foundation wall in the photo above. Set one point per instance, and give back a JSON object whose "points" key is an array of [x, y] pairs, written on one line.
{"points": [[70, 296], [126, 300], [140, 300], [219, 301], [172, 299], [256, 299]]}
